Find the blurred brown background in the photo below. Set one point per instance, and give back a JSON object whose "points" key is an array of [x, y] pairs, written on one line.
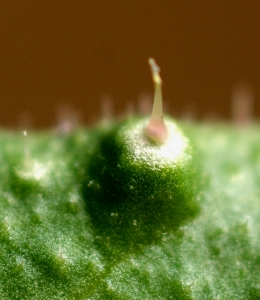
{"points": [[76, 53]]}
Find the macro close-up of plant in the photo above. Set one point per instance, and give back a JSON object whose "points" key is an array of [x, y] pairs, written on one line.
{"points": [[116, 186], [135, 209]]}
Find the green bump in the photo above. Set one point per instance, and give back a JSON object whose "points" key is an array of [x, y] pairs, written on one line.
{"points": [[141, 189], [141, 180]]}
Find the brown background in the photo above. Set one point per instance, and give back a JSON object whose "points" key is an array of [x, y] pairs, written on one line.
{"points": [[54, 53]]}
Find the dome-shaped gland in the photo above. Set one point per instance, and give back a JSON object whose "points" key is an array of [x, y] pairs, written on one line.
{"points": [[142, 179], [138, 190]]}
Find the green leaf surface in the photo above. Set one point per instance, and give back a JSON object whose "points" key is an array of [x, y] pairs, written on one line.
{"points": [[59, 239]]}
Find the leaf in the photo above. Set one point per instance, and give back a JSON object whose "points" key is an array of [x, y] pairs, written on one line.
{"points": [[52, 248]]}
